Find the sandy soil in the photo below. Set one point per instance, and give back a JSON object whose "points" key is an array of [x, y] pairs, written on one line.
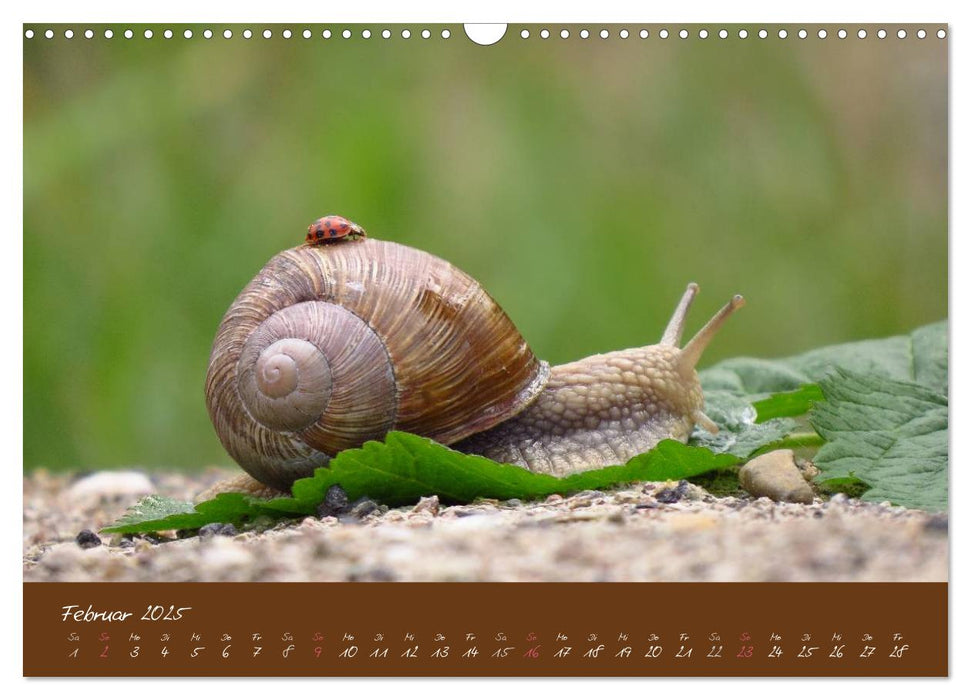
{"points": [[646, 532]]}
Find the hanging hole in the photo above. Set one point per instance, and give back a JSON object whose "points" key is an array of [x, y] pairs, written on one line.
{"points": [[485, 34]]}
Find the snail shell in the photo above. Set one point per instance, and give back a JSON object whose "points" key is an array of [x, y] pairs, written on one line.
{"points": [[330, 346]]}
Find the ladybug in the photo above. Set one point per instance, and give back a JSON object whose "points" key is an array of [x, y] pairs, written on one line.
{"points": [[333, 228]]}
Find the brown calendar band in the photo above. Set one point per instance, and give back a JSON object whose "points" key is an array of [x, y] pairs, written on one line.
{"points": [[485, 629]]}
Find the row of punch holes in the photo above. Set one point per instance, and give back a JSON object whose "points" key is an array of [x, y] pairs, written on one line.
{"points": [[524, 34]]}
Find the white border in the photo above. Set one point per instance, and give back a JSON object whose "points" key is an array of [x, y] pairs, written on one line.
{"points": [[708, 11]]}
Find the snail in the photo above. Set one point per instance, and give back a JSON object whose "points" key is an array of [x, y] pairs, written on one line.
{"points": [[346, 337]]}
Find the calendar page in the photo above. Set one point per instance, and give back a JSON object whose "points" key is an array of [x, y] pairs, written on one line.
{"points": [[541, 349]]}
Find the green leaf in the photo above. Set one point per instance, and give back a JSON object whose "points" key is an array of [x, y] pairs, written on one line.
{"points": [[739, 433], [890, 434], [919, 357], [153, 509], [156, 513], [788, 403], [747, 397], [405, 467]]}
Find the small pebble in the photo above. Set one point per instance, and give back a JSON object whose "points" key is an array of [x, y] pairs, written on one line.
{"points": [[429, 504], [210, 530], [335, 502], [672, 495], [808, 470], [87, 539], [363, 507], [776, 476], [217, 529]]}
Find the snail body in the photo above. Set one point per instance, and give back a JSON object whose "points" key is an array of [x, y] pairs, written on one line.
{"points": [[334, 344]]}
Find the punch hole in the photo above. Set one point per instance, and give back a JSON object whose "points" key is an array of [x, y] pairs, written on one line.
{"points": [[109, 33], [803, 33], [187, 33], [663, 33], [901, 34], [267, 33], [881, 34], [228, 34], [861, 33], [326, 34], [742, 34], [723, 34], [683, 34], [624, 33], [488, 34], [446, 34], [584, 34], [346, 33], [49, 34], [366, 34], [405, 33], [68, 34], [425, 34], [167, 33], [29, 34], [524, 34], [386, 34], [564, 34], [783, 33], [841, 33], [941, 34], [247, 34], [207, 34], [545, 34], [643, 34], [148, 34], [921, 34], [821, 33], [604, 33], [129, 33], [703, 33], [763, 34]]}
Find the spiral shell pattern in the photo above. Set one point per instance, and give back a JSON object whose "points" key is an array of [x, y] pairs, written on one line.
{"points": [[334, 345]]}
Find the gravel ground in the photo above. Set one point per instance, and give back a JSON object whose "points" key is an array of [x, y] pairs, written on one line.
{"points": [[646, 532]]}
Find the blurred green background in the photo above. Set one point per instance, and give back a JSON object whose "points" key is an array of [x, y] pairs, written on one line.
{"points": [[583, 182]]}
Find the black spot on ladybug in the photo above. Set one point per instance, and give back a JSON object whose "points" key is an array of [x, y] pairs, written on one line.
{"points": [[333, 232]]}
